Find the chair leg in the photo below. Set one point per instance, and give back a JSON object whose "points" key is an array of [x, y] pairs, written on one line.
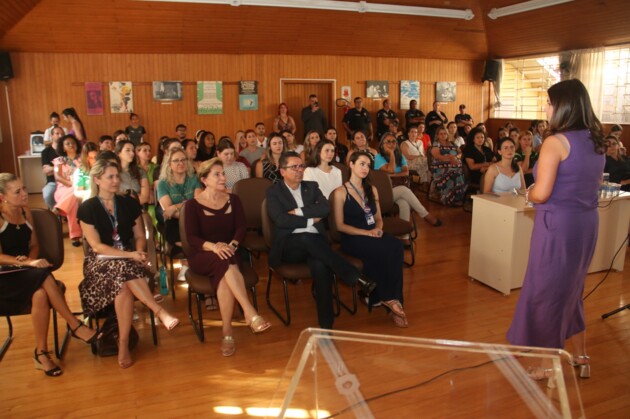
{"points": [[336, 298], [9, 338], [60, 350], [197, 327], [355, 305], [286, 320], [254, 297], [153, 328], [172, 276], [413, 255]]}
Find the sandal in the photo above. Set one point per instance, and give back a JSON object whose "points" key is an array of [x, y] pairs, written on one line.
{"points": [[395, 307], [584, 363], [399, 321], [96, 336], [258, 324], [53, 372], [170, 322], [211, 304], [228, 346]]}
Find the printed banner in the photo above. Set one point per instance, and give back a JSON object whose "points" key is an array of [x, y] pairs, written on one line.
{"points": [[409, 90], [209, 97], [120, 96], [248, 95], [94, 98]]}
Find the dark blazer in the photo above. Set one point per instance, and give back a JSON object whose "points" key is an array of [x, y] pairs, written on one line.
{"points": [[280, 202]]}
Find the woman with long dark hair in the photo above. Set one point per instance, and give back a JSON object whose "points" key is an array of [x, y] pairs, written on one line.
{"points": [[568, 174], [505, 175], [77, 128]]}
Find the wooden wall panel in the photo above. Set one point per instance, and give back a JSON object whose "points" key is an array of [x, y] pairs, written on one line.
{"points": [[54, 81]]}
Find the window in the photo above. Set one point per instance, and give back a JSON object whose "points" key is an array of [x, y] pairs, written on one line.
{"points": [[616, 85], [524, 87]]}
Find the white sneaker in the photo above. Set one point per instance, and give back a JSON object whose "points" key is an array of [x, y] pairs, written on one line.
{"points": [[181, 276]]}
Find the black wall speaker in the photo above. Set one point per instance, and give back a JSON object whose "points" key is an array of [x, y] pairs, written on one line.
{"points": [[492, 72], [6, 70]]}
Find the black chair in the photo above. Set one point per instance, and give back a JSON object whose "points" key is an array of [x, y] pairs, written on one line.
{"points": [[201, 287], [252, 192], [47, 226]]}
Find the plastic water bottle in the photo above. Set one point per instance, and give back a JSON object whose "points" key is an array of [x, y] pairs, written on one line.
{"points": [[163, 281]]}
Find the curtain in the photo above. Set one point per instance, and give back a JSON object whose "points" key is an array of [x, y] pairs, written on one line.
{"points": [[587, 65]]}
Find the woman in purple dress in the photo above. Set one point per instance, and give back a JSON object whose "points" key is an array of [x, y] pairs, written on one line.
{"points": [[568, 173]]}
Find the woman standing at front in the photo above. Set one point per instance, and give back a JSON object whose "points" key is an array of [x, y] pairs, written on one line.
{"points": [[113, 226], [215, 225], [568, 173]]}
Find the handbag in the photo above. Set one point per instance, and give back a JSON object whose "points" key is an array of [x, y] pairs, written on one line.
{"points": [[107, 345]]}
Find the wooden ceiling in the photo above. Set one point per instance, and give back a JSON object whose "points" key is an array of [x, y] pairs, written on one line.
{"points": [[127, 26]]}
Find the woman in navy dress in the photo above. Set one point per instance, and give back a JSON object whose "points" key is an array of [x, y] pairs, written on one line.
{"points": [[25, 280], [568, 173], [360, 223]]}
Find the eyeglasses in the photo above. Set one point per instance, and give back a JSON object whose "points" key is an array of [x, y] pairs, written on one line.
{"points": [[178, 161], [295, 167]]}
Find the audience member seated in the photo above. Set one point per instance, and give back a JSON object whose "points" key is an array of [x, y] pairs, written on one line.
{"points": [[206, 146], [526, 156], [291, 145], [310, 141], [115, 267], [268, 167], [143, 156], [617, 165], [360, 222], [81, 176], [215, 225], [415, 154], [297, 209], [390, 160], [25, 280], [177, 184], [234, 170], [505, 175], [68, 149], [341, 151], [327, 176], [487, 141], [446, 170], [133, 180], [539, 136], [616, 131], [478, 156], [190, 148], [453, 135], [252, 152], [360, 143], [49, 154]]}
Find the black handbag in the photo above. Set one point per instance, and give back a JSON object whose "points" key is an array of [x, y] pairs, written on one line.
{"points": [[107, 345]]}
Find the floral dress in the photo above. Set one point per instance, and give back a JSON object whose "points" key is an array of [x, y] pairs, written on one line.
{"points": [[448, 177]]}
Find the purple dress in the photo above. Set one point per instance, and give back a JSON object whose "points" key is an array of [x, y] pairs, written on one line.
{"points": [[550, 308]]}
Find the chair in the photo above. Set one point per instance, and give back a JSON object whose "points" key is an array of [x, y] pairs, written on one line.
{"points": [[287, 271], [392, 224], [46, 225], [345, 171], [252, 192], [201, 287], [473, 188]]}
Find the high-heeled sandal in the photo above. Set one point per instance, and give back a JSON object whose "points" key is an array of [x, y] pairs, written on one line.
{"points": [[585, 367], [91, 340], [258, 324], [228, 346], [53, 372], [171, 324], [541, 373]]}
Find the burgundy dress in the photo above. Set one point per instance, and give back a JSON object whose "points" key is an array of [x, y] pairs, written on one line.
{"points": [[550, 308], [205, 224]]}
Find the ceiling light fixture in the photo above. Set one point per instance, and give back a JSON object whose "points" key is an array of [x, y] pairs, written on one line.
{"points": [[343, 6], [523, 7]]}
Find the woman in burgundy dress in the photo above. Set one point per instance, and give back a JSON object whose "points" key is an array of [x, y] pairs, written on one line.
{"points": [[568, 173], [215, 225]]}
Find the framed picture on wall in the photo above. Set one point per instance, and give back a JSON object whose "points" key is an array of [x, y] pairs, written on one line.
{"points": [[94, 98], [377, 89], [209, 97], [248, 95], [121, 96], [446, 91], [409, 90], [346, 93], [167, 90]]}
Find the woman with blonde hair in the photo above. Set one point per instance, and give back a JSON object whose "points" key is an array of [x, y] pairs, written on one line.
{"points": [[310, 141]]}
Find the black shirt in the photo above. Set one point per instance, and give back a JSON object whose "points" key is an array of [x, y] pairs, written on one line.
{"points": [[135, 134], [358, 119], [381, 126], [412, 113], [458, 118], [484, 156], [434, 116], [48, 155], [127, 210]]}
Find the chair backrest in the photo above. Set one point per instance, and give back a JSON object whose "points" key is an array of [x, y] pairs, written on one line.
{"points": [[252, 192], [150, 236], [253, 168], [182, 230], [50, 236], [333, 233], [481, 180], [267, 223], [383, 185], [345, 171]]}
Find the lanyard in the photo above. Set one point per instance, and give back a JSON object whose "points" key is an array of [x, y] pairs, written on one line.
{"points": [[113, 219], [358, 193]]}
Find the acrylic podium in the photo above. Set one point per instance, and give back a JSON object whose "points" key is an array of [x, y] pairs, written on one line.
{"points": [[336, 374]]}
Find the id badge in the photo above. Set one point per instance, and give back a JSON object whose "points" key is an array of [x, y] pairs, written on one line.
{"points": [[369, 218]]}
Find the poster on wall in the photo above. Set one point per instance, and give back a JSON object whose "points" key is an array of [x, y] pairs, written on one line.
{"points": [[209, 97], [377, 89], [346, 93], [94, 97], [248, 95], [167, 90], [120, 97], [446, 91], [409, 90]]}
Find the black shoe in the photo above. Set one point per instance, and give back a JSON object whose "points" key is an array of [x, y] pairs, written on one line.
{"points": [[366, 286]]}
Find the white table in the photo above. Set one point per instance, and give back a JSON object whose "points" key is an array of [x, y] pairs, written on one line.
{"points": [[502, 229], [30, 166]]}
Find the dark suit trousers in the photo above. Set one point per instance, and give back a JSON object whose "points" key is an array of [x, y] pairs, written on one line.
{"points": [[323, 263]]}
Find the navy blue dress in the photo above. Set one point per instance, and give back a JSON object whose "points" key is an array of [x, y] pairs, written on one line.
{"points": [[382, 256]]}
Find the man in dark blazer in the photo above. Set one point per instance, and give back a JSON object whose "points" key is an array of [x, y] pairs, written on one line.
{"points": [[297, 208]]}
